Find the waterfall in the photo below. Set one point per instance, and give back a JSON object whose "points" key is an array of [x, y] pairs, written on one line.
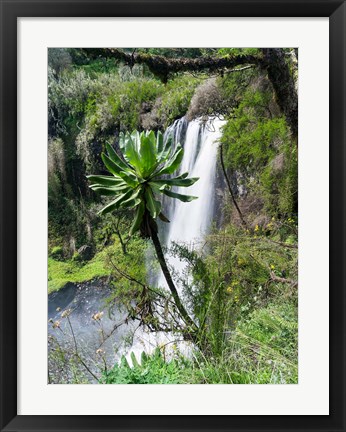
{"points": [[191, 221]]}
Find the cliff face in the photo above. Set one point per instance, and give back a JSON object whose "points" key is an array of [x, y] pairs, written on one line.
{"points": [[88, 108]]}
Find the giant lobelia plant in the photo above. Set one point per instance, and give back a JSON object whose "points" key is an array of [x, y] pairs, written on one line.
{"points": [[137, 180]]}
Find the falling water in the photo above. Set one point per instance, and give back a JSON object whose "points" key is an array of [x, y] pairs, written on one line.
{"points": [[191, 221]]}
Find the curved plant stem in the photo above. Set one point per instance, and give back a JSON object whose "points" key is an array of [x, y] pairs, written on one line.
{"points": [[188, 320]]}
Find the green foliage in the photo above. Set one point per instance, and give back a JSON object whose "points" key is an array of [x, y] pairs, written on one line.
{"points": [[179, 52], [76, 257], [274, 328], [62, 272], [257, 143], [71, 223], [152, 369], [197, 294], [262, 349], [251, 146], [137, 176], [247, 316], [279, 182], [57, 253], [237, 276], [125, 103], [129, 271], [98, 66], [73, 270], [176, 99], [238, 52]]}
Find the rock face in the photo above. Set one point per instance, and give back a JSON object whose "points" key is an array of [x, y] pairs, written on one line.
{"points": [[85, 252], [278, 163]]}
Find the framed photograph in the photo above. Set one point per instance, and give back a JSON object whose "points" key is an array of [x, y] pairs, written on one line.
{"points": [[172, 214]]}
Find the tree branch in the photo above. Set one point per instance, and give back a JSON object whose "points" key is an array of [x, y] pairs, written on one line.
{"points": [[282, 280], [162, 66]]}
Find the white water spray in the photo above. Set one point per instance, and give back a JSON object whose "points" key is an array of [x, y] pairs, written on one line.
{"points": [[191, 221]]}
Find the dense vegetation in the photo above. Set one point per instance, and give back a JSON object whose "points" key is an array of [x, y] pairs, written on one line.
{"points": [[243, 289]]}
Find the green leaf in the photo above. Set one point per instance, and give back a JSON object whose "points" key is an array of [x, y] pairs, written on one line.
{"points": [[184, 198], [104, 180], [148, 158], [173, 163], [153, 205], [131, 198], [182, 176], [166, 150], [108, 191], [116, 203], [131, 150], [113, 155], [117, 171], [134, 360], [131, 203], [138, 218], [152, 138], [111, 165], [159, 143], [130, 178], [175, 182], [144, 358]]}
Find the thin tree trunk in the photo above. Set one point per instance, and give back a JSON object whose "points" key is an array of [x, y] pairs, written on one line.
{"points": [[230, 188], [284, 86], [122, 243], [170, 282]]}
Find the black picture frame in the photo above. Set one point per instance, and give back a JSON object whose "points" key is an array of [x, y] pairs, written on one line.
{"points": [[10, 11]]}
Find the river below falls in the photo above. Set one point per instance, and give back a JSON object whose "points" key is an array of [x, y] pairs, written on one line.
{"points": [[92, 330], [88, 330]]}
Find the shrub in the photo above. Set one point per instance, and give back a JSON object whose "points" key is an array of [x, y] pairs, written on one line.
{"points": [[176, 99], [57, 253], [153, 369], [262, 349], [76, 257], [257, 145]]}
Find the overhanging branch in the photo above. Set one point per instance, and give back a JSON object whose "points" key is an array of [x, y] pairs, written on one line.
{"points": [[271, 59], [162, 66]]}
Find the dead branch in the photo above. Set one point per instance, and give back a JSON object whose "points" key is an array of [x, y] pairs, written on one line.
{"points": [[275, 278]]}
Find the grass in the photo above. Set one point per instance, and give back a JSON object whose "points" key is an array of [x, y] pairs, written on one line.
{"points": [[153, 369], [62, 272], [262, 350]]}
